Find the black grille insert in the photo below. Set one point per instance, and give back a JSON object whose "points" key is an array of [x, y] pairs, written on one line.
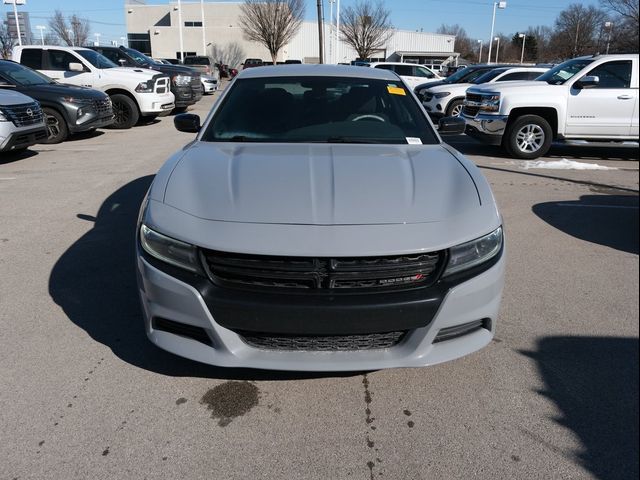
{"points": [[370, 341], [184, 330], [449, 333], [311, 273], [25, 114]]}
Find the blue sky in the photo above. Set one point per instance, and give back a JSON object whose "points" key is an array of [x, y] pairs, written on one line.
{"points": [[107, 16]]}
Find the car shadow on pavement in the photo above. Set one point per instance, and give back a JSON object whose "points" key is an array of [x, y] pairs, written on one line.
{"points": [[594, 383], [610, 220], [94, 282], [10, 157]]}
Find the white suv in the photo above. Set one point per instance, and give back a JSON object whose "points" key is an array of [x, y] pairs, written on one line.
{"points": [[134, 92], [412, 74], [21, 121]]}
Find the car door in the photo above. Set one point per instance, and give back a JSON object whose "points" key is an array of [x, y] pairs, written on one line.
{"points": [[56, 65], [604, 110]]}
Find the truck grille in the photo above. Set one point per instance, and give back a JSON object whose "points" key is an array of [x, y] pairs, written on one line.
{"points": [[25, 114], [103, 107], [471, 102], [162, 84], [311, 273], [369, 341]]}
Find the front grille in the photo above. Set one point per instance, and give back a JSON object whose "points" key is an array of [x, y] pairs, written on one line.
{"points": [[472, 100], [470, 111], [162, 84], [312, 273], [24, 115], [369, 341], [103, 107]]}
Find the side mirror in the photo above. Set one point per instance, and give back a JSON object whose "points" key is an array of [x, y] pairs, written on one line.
{"points": [[589, 81], [122, 62], [187, 122], [451, 126], [76, 67]]}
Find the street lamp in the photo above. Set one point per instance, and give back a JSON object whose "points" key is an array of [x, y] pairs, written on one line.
{"points": [[524, 39], [497, 47], [42, 28], [480, 54], [609, 27], [122, 39], [502, 6], [15, 4], [71, 36], [204, 43], [97, 39], [179, 8], [331, 2]]}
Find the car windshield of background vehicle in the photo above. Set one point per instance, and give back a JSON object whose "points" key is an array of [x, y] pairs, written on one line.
{"points": [[461, 75], [196, 61], [319, 110], [563, 72], [22, 76], [96, 59], [139, 56], [488, 76]]}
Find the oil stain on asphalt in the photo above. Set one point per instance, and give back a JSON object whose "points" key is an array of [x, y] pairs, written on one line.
{"points": [[230, 400]]}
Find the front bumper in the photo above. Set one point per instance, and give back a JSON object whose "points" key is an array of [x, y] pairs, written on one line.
{"points": [[23, 138], [436, 108], [165, 296], [93, 121], [486, 128], [185, 95], [156, 103]]}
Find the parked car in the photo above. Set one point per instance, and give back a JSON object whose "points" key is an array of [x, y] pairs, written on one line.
{"points": [[252, 62], [411, 73], [185, 81], [67, 109], [339, 234], [293, 62], [21, 121], [135, 92], [447, 100], [209, 84], [163, 60], [466, 75], [201, 63], [172, 61], [583, 101]]}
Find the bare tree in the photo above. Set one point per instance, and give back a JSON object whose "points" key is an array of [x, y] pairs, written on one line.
{"points": [[272, 23], [231, 54], [7, 41], [366, 27], [625, 8], [464, 45], [74, 31], [623, 31], [578, 31]]}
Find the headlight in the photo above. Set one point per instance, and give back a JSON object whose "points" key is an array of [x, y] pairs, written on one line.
{"points": [[175, 252], [2, 117], [181, 80], [145, 87], [490, 103], [442, 94], [475, 252]]}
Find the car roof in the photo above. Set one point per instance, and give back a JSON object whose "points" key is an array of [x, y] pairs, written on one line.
{"points": [[301, 70]]}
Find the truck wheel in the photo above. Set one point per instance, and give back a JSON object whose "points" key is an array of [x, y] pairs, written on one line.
{"points": [[528, 137], [125, 112], [455, 108], [57, 130]]}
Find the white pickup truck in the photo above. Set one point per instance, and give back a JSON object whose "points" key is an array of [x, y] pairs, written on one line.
{"points": [[135, 92], [583, 101]]}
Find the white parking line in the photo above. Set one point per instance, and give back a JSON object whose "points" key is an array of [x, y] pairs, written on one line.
{"points": [[8, 178], [595, 206]]}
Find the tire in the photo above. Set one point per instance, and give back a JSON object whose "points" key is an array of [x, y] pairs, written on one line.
{"points": [[57, 129], [125, 111], [179, 110], [455, 108], [528, 137]]}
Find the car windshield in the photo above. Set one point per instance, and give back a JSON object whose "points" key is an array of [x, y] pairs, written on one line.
{"points": [[488, 76], [563, 72], [459, 75], [319, 110], [96, 59], [23, 76], [139, 56]]}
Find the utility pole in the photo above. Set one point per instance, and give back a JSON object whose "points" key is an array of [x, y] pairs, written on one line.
{"points": [[524, 39], [575, 44], [480, 54], [320, 32], [608, 26], [497, 47], [42, 28]]}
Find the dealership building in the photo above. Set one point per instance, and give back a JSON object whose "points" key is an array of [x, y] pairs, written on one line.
{"points": [[214, 27]]}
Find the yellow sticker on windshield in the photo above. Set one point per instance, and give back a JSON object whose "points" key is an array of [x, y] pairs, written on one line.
{"points": [[395, 90]]}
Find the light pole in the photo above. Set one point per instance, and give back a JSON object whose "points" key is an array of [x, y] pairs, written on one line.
{"points": [[497, 47], [524, 39], [97, 39], [501, 5], [42, 28], [320, 33], [338, 31], [204, 43], [480, 54], [608, 26], [122, 39], [331, 2], [15, 4], [179, 8], [71, 36]]}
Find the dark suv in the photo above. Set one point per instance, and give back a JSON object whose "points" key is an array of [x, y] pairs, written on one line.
{"points": [[185, 81], [67, 108]]}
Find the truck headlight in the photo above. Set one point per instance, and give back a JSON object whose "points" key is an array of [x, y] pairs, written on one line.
{"points": [[170, 250], [3, 118], [145, 87], [475, 252], [181, 80], [490, 103], [442, 94]]}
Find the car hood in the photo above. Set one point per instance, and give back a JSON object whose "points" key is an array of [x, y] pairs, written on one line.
{"points": [[11, 97], [58, 90], [173, 69], [530, 85], [450, 87], [131, 72], [311, 184]]}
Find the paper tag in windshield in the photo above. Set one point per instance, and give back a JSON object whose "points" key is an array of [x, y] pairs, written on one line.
{"points": [[414, 141], [393, 90]]}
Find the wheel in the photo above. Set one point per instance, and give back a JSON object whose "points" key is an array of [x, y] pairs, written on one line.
{"points": [[202, 89], [180, 109], [125, 112], [455, 108], [57, 130], [528, 137]]}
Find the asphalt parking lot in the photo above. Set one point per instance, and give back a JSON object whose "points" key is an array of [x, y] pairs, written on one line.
{"points": [[85, 395]]}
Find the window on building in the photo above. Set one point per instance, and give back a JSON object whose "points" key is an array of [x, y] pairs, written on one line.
{"points": [[186, 54], [140, 42], [192, 24]]}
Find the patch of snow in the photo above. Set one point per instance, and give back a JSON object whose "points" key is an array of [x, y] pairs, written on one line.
{"points": [[563, 164]]}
